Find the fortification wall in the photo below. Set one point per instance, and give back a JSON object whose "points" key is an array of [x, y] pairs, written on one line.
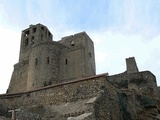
{"points": [[128, 103], [43, 65], [56, 94], [19, 77], [95, 95]]}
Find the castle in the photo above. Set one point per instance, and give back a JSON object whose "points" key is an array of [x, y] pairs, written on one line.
{"points": [[58, 81], [45, 62]]}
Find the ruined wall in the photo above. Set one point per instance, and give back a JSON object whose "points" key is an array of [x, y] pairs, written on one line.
{"points": [[146, 94], [142, 82], [131, 65]]}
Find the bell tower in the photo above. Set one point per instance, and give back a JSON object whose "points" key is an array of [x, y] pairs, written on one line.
{"points": [[32, 36]]}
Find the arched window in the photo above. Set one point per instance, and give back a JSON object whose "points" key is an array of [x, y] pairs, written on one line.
{"points": [[26, 42], [26, 33], [42, 28], [34, 30]]}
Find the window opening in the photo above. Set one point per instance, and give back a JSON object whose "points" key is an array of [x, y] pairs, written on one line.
{"points": [[66, 61], [50, 82], [42, 28], [90, 55], [27, 33], [34, 30], [72, 43], [41, 37], [26, 42], [47, 60], [36, 61], [45, 83], [32, 40]]}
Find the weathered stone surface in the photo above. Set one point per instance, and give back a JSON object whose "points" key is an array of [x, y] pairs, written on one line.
{"points": [[57, 81], [43, 62]]}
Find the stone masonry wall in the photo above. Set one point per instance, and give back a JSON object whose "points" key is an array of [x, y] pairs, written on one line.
{"points": [[146, 93], [19, 77], [43, 65], [142, 82], [77, 60], [54, 94], [111, 102]]}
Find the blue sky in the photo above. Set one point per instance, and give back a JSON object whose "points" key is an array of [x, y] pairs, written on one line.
{"points": [[119, 29]]}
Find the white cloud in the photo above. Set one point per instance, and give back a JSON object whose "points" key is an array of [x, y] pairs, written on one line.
{"points": [[9, 50], [113, 47], [125, 29]]}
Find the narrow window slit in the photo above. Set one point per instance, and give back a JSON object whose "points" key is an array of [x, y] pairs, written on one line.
{"points": [[36, 61], [47, 60], [66, 61]]}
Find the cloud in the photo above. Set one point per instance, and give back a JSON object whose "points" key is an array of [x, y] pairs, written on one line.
{"points": [[113, 47], [9, 49], [118, 28]]}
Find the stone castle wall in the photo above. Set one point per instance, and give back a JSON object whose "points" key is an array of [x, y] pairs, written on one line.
{"points": [[56, 94], [93, 95], [43, 65], [132, 96], [97, 95], [19, 77], [77, 60]]}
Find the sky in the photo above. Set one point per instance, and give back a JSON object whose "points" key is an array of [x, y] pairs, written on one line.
{"points": [[118, 28]]}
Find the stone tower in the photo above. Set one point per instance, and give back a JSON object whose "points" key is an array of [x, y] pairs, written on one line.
{"points": [[131, 65], [44, 62]]}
